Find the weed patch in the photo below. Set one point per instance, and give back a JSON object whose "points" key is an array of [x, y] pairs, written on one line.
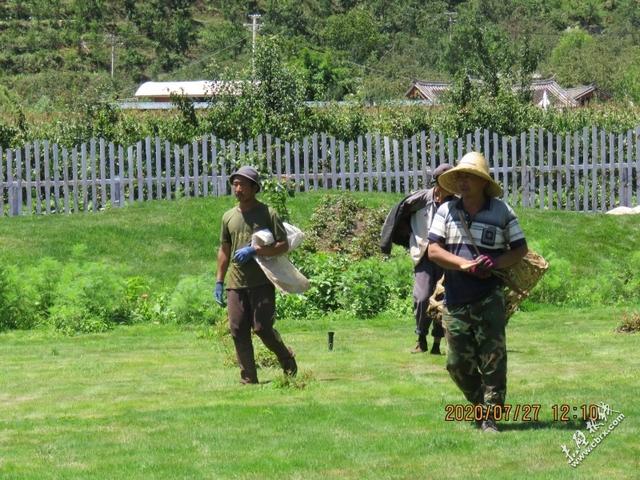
{"points": [[630, 323]]}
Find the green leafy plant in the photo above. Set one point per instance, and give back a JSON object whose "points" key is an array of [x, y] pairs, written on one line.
{"points": [[20, 306], [343, 224], [90, 297], [192, 302], [365, 291]]}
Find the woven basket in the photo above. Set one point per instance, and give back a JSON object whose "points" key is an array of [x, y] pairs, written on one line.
{"points": [[519, 280]]}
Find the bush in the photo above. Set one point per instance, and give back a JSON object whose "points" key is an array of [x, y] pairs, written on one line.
{"points": [[325, 273], [365, 291], [294, 307], [90, 297], [192, 302], [19, 301], [343, 224]]}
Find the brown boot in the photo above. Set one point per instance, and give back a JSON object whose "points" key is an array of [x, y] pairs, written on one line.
{"points": [[421, 346]]}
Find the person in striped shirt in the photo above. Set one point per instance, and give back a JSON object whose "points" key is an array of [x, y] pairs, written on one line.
{"points": [[471, 237]]}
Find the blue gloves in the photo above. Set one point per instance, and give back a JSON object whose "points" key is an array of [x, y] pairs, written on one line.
{"points": [[244, 254], [218, 294]]}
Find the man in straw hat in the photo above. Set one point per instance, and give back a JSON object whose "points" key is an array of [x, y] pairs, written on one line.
{"points": [[470, 237], [407, 224], [250, 295]]}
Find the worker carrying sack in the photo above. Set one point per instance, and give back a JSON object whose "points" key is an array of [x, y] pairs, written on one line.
{"points": [[279, 269]]}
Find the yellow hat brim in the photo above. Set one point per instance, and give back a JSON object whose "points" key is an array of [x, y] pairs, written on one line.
{"points": [[448, 180]]}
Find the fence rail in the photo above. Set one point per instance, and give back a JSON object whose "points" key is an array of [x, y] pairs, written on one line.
{"points": [[589, 170]]}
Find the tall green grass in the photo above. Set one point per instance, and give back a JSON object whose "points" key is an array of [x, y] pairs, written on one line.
{"points": [[595, 258]]}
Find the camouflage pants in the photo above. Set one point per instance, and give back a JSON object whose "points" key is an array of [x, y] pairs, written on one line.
{"points": [[477, 355]]}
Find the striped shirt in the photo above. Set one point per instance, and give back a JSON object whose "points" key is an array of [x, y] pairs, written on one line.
{"points": [[494, 229]]}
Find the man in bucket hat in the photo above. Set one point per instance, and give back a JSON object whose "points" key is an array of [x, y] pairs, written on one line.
{"points": [[470, 237], [408, 224], [250, 295]]}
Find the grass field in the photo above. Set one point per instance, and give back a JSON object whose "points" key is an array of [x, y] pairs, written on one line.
{"points": [[158, 401]]}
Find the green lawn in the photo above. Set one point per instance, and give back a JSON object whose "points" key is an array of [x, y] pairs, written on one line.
{"points": [[158, 402]]}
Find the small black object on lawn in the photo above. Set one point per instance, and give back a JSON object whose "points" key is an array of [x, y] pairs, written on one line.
{"points": [[330, 340]]}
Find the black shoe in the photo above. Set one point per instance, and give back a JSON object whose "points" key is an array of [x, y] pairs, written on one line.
{"points": [[489, 426], [289, 366], [435, 349]]}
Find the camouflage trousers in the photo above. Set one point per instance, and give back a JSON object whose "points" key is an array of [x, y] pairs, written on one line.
{"points": [[477, 349]]}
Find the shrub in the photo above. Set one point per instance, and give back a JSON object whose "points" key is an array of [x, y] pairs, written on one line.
{"points": [[324, 272], [192, 301], [343, 224], [365, 291], [19, 301], [90, 297], [44, 278], [141, 305], [72, 317], [293, 307]]}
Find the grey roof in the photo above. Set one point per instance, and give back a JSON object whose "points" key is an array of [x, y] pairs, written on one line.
{"points": [[556, 95]]}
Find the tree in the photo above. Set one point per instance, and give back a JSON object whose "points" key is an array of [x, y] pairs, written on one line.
{"points": [[324, 78], [272, 103], [479, 49], [355, 32], [169, 24]]}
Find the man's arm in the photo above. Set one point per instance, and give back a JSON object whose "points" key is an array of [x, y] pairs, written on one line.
{"points": [[446, 260], [272, 250], [224, 255], [511, 257]]}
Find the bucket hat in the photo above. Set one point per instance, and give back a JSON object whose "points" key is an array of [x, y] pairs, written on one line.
{"points": [[248, 172], [473, 163]]}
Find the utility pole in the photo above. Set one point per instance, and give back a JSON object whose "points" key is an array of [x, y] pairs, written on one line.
{"points": [[451, 16], [112, 40], [255, 26]]}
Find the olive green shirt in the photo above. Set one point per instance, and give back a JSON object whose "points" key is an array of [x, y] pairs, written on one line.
{"points": [[237, 228]]}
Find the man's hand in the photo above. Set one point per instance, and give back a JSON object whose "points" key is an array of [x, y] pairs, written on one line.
{"points": [[485, 262], [244, 254], [482, 266], [218, 294]]}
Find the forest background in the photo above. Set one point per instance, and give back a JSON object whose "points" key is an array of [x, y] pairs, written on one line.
{"points": [[56, 64]]}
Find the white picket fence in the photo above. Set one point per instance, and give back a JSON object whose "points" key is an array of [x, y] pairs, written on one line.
{"points": [[590, 170]]}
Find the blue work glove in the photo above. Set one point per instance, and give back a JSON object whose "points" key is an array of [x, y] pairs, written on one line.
{"points": [[218, 294], [244, 254]]}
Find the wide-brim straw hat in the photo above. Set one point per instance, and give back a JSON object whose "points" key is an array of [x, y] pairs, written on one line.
{"points": [[473, 163]]}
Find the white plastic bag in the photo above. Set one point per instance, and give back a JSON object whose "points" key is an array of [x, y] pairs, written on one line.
{"points": [[294, 236]]}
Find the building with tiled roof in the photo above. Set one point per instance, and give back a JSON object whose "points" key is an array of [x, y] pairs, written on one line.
{"points": [[546, 92]]}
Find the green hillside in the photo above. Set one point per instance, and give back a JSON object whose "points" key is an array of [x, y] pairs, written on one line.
{"points": [[57, 54]]}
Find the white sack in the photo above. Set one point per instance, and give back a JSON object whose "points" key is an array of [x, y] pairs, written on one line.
{"points": [[279, 269]]}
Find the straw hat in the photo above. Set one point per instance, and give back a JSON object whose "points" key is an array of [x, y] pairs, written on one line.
{"points": [[475, 164]]}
